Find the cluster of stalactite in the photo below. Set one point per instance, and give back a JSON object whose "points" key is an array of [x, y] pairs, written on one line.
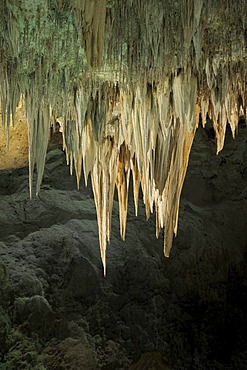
{"points": [[128, 81]]}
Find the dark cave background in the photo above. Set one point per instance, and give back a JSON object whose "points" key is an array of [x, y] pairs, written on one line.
{"points": [[57, 311]]}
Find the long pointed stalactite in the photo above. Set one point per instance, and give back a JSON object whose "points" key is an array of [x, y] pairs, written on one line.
{"points": [[128, 82]]}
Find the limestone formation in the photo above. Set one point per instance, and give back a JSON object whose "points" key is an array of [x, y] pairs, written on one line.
{"points": [[130, 80]]}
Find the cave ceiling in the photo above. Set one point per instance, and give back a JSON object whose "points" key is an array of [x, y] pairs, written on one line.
{"points": [[128, 82]]}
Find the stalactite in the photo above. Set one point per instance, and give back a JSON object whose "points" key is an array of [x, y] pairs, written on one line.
{"points": [[128, 81]]}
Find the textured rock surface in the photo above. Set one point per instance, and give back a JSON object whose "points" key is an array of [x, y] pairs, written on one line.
{"points": [[17, 153], [150, 361], [186, 312]]}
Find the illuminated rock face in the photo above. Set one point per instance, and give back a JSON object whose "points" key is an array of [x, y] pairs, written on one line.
{"points": [[130, 80], [17, 153]]}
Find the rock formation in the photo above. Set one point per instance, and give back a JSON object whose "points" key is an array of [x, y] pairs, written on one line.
{"points": [[128, 81], [188, 312]]}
